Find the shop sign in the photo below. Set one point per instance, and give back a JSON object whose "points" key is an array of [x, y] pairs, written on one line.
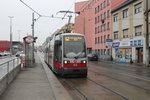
{"points": [[124, 44], [115, 44], [136, 43], [109, 42]]}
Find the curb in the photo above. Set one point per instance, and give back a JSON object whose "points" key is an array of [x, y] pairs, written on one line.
{"points": [[59, 91]]}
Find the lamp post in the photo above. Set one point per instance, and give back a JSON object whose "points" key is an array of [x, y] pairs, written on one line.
{"points": [[11, 33]]}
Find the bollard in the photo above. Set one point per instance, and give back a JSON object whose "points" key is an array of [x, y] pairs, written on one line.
{"points": [[8, 67], [13, 63]]}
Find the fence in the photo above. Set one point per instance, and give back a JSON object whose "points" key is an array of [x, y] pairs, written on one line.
{"points": [[8, 71]]}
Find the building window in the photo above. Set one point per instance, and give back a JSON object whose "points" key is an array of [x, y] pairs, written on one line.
{"points": [[101, 51], [104, 38], [104, 4], [108, 13], [125, 13], [116, 35], [108, 26], [101, 39], [98, 8], [138, 30], [98, 29], [95, 20], [104, 26], [95, 30], [101, 6], [95, 10], [98, 18], [104, 15], [125, 33], [98, 40], [115, 17], [138, 8], [104, 51], [95, 40], [108, 2]]}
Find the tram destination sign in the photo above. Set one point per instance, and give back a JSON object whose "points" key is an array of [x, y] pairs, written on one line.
{"points": [[73, 38]]}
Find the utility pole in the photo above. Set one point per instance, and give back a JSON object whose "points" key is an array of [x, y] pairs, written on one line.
{"points": [[33, 59], [11, 33], [147, 35]]}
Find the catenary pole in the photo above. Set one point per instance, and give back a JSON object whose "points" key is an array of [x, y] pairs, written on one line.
{"points": [[147, 36], [11, 33]]}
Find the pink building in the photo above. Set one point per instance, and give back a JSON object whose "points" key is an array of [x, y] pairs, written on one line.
{"points": [[102, 28], [84, 22], [94, 21]]}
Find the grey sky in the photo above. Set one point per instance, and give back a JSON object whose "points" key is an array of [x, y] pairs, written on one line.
{"points": [[23, 17]]}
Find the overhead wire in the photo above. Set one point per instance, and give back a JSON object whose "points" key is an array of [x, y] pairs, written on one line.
{"points": [[63, 16]]}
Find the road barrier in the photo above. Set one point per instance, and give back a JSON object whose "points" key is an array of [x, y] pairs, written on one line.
{"points": [[8, 71]]}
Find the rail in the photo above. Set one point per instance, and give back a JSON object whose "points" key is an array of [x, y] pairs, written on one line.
{"points": [[8, 66]]}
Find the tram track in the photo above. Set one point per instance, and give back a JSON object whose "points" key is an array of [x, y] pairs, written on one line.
{"points": [[122, 72], [63, 81], [107, 88], [85, 97], [76, 83], [120, 80], [133, 69]]}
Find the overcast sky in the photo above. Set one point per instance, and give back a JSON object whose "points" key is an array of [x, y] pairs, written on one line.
{"points": [[23, 17]]}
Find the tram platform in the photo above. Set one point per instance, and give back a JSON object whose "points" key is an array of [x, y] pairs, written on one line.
{"points": [[36, 83]]}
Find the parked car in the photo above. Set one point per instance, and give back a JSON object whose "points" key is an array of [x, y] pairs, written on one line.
{"points": [[6, 53], [92, 57], [1, 54]]}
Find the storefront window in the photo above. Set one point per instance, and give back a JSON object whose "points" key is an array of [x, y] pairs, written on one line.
{"points": [[123, 54]]}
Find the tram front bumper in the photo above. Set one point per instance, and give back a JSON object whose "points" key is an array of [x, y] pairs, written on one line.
{"points": [[74, 71]]}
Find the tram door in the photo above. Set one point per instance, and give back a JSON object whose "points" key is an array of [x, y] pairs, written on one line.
{"points": [[58, 56]]}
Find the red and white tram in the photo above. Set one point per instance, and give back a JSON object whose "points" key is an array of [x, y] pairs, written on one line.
{"points": [[66, 54]]}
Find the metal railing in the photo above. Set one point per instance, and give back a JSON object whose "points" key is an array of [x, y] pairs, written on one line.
{"points": [[8, 66]]}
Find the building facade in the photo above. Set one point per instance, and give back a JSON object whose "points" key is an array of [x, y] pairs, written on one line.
{"points": [[128, 28], [84, 22], [94, 21], [4, 46], [102, 28]]}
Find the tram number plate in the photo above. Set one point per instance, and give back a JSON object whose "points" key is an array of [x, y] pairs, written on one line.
{"points": [[75, 65]]}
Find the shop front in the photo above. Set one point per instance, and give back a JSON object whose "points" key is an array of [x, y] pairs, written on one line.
{"points": [[125, 52], [122, 52]]}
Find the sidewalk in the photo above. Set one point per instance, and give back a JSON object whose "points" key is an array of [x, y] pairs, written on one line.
{"points": [[33, 84], [30, 84]]}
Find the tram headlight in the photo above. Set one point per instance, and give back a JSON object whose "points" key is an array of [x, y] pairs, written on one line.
{"points": [[66, 62], [83, 61]]}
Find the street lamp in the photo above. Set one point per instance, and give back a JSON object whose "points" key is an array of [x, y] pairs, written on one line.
{"points": [[11, 33]]}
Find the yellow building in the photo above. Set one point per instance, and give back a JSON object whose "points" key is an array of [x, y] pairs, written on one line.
{"points": [[128, 33]]}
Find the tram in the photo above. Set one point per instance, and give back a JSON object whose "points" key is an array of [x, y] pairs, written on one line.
{"points": [[66, 54]]}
